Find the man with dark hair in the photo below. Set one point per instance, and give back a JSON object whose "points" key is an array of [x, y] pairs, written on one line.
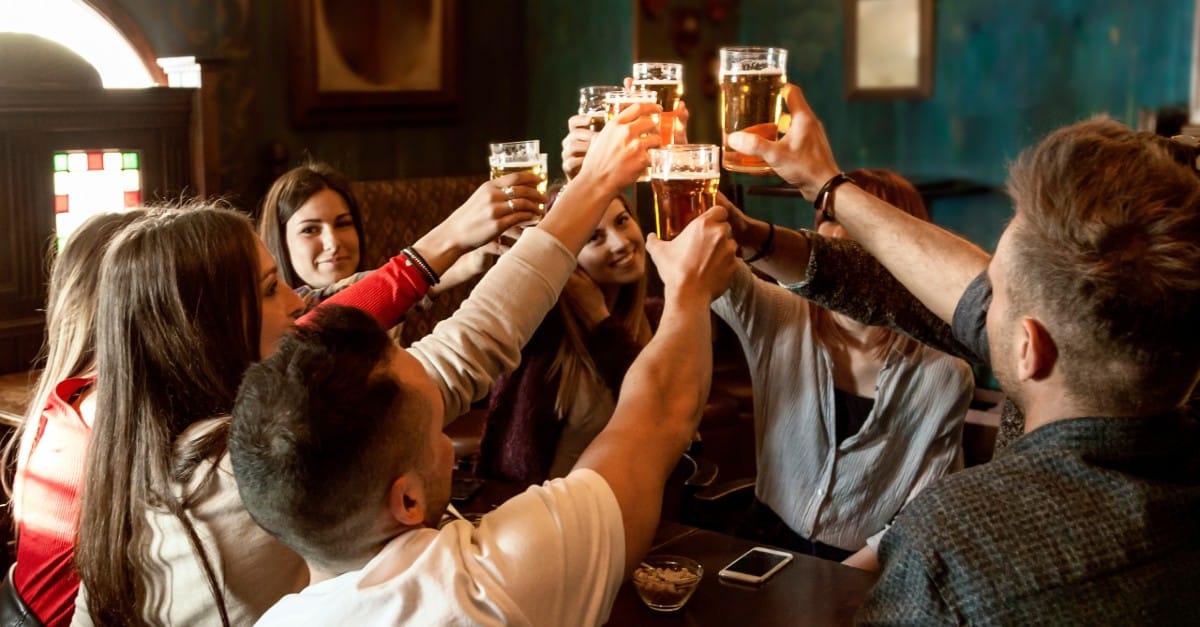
{"points": [[1087, 313], [337, 447]]}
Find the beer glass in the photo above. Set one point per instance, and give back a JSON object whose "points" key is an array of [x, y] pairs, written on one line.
{"points": [[752, 80], [665, 80], [509, 157], [591, 103], [684, 178], [616, 101]]}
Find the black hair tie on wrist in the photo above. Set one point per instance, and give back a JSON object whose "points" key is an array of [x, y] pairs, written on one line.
{"points": [[421, 265], [824, 200], [768, 245]]}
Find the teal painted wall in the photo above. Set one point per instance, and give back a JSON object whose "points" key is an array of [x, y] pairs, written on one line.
{"points": [[1006, 72], [571, 44]]}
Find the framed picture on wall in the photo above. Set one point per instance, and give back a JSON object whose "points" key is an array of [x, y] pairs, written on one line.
{"points": [[888, 49], [373, 60]]}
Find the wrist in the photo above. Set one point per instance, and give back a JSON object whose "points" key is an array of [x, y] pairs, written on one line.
{"points": [[439, 249], [812, 187]]}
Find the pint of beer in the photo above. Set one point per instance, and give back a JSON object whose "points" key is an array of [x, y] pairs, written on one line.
{"points": [[684, 178], [666, 81], [752, 80], [522, 156], [591, 103], [617, 101]]}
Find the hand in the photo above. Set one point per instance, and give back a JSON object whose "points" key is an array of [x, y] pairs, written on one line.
{"points": [[575, 144], [802, 156], [469, 266], [738, 221], [681, 117], [699, 260], [585, 298], [489, 211], [618, 154]]}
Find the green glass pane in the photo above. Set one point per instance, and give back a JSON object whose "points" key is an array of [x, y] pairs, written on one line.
{"points": [[129, 161], [60, 162]]}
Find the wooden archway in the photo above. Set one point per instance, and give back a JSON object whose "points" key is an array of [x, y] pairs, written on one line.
{"points": [[129, 29]]}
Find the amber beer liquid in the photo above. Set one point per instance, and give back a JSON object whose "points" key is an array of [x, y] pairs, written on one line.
{"points": [[531, 166], [596, 121], [668, 93], [751, 102], [679, 197]]}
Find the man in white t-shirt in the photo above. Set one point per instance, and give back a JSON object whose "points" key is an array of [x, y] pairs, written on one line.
{"points": [[337, 446]]}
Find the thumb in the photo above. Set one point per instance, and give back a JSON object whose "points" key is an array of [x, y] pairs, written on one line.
{"points": [[654, 246], [748, 143]]}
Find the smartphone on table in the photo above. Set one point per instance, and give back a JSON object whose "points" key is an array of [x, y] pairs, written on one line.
{"points": [[756, 565]]}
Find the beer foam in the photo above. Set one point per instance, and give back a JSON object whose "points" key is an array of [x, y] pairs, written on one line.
{"points": [[685, 176], [763, 72], [656, 81]]}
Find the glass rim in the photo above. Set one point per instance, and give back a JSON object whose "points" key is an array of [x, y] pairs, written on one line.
{"points": [[632, 95], [682, 147], [535, 143], [751, 49], [603, 89]]}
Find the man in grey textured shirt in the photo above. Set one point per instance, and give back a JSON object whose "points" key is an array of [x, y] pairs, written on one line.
{"points": [[1087, 314]]}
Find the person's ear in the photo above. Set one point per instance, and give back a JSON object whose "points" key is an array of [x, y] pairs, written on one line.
{"points": [[1038, 352], [406, 500]]}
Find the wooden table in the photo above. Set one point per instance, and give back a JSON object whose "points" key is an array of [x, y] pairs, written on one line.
{"points": [[808, 591]]}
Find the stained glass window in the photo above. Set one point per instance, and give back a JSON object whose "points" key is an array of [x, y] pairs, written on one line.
{"points": [[87, 182]]}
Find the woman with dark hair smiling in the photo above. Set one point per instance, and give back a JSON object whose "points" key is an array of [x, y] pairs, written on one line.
{"points": [[312, 224]]}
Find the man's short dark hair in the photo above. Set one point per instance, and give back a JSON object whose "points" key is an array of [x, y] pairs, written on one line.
{"points": [[319, 432], [1108, 252]]}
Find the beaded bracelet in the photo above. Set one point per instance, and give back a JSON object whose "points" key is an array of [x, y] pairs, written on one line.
{"points": [[422, 266], [768, 245], [824, 200]]}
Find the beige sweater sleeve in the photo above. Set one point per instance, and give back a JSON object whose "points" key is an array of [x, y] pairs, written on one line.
{"points": [[466, 352]]}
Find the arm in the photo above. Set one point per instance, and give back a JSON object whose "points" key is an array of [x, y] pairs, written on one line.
{"points": [[841, 276], [906, 593], [933, 263], [661, 399], [464, 354]]}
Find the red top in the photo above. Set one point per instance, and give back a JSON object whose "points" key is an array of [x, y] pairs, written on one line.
{"points": [[50, 479]]}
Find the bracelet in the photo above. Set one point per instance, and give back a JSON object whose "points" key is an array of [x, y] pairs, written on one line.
{"points": [[823, 203], [421, 265], [768, 245]]}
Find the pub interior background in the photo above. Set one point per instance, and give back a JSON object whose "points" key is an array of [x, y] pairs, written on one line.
{"points": [[1005, 72]]}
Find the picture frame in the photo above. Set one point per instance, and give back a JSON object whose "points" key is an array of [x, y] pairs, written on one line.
{"points": [[888, 49], [373, 61]]}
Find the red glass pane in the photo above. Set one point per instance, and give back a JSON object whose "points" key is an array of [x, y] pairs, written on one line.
{"points": [[60, 204], [133, 199], [95, 160]]}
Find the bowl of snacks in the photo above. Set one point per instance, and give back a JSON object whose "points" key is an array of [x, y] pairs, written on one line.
{"points": [[666, 582]]}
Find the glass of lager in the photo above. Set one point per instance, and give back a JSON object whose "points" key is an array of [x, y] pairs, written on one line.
{"points": [[616, 101], [665, 80], [684, 178], [509, 157], [752, 80], [591, 103]]}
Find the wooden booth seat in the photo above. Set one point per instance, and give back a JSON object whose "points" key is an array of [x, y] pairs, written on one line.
{"points": [[396, 213]]}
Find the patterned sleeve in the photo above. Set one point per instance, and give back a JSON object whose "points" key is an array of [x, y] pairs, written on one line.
{"points": [[906, 593], [843, 277]]}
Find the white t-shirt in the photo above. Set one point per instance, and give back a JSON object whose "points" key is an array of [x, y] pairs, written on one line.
{"points": [[553, 555]]}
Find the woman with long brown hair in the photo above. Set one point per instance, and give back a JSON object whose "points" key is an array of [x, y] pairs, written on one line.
{"points": [[851, 421], [543, 415], [189, 299], [52, 437]]}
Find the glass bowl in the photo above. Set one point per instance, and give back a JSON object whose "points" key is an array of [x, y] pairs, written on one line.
{"points": [[666, 582]]}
